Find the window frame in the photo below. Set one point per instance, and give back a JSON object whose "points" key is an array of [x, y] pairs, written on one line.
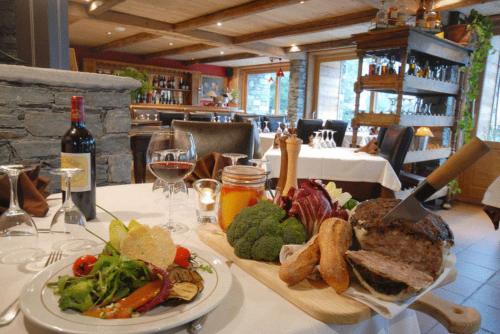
{"points": [[245, 71]]}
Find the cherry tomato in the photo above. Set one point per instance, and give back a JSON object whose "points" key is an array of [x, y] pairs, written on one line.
{"points": [[182, 257], [83, 265]]}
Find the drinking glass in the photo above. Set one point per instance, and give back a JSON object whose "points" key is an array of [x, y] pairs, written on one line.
{"points": [[15, 221], [265, 165], [208, 192], [266, 128], [171, 156], [234, 157], [18, 232]]}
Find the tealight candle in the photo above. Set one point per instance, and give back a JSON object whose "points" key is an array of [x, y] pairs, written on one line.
{"points": [[207, 199], [208, 191]]}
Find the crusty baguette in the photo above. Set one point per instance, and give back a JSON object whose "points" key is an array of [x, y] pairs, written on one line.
{"points": [[301, 263], [334, 239]]}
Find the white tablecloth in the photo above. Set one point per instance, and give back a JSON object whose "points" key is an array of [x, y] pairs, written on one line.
{"points": [[361, 140], [341, 164], [266, 142], [250, 306], [492, 194]]}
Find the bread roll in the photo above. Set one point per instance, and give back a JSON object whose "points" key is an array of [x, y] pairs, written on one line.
{"points": [[301, 264], [334, 239]]}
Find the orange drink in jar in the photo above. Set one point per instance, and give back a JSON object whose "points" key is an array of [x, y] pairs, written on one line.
{"points": [[242, 186]]}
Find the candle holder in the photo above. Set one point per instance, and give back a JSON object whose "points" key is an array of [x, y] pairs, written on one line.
{"points": [[208, 192]]}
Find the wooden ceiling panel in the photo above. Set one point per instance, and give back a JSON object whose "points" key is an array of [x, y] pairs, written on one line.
{"points": [[321, 36], [173, 11], [94, 33], [205, 54], [243, 62], [309, 11], [154, 45]]}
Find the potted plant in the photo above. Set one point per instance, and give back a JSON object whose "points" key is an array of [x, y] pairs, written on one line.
{"points": [[481, 28], [453, 191], [143, 77]]}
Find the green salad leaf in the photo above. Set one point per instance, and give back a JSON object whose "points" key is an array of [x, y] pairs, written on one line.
{"points": [[112, 278]]}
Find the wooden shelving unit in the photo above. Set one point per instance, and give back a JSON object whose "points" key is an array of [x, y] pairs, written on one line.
{"points": [[193, 77], [400, 44]]}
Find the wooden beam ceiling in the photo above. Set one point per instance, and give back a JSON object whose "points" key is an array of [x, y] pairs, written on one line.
{"points": [[166, 29], [231, 13], [140, 37], [215, 59], [178, 51], [104, 7], [453, 4], [308, 27]]}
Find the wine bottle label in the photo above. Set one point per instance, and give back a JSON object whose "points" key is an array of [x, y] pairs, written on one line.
{"points": [[82, 181]]}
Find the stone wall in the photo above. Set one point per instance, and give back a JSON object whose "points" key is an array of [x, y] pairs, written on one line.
{"points": [[35, 108], [297, 90], [7, 29]]}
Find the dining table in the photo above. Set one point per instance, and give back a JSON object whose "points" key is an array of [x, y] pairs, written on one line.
{"points": [[249, 307], [338, 164]]}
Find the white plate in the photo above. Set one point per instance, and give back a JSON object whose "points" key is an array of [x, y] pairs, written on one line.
{"points": [[39, 303]]}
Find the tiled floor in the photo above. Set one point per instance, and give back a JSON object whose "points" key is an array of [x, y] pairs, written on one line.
{"points": [[478, 264]]}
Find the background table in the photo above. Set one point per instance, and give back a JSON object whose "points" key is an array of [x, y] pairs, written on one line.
{"points": [[361, 140], [266, 142], [340, 163], [250, 307]]}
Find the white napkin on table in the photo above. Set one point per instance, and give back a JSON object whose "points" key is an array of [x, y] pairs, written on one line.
{"points": [[388, 309]]}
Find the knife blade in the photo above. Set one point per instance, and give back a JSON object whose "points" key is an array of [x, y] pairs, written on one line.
{"points": [[411, 208]]}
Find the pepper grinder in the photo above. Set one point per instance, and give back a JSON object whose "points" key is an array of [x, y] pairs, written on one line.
{"points": [[293, 149], [283, 165]]}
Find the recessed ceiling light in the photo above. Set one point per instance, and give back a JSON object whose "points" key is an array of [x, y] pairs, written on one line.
{"points": [[219, 24], [222, 52], [93, 6], [170, 43], [301, 2], [109, 33], [120, 29]]}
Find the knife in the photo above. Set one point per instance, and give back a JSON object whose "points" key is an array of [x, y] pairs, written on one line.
{"points": [[411, 208]]}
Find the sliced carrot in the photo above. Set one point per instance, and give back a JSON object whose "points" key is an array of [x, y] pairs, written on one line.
{"points": [[125, 306]]}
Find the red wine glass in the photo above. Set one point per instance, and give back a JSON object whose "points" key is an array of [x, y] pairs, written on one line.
{"points": [[171, 156]]}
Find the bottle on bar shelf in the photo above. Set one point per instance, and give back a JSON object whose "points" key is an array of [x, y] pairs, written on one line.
{"points": [[420, 15], [78, 151]]}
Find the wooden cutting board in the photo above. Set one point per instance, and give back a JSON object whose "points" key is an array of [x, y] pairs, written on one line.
{"points": [[324, 304]]}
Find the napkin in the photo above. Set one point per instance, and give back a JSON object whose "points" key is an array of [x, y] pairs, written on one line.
{"points": [[388, 309], [370, 148], [208, 167], [31, 192]]}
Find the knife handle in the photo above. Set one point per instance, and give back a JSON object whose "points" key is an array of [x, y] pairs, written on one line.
{"points": [[457, 163]]}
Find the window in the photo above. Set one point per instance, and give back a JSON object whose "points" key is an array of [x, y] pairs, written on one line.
{"points": [[488, 125], [265, 93], [335, 94]]}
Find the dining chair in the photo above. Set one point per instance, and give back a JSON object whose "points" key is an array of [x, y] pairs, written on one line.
{"points": [[306, 127], [201, 116], [221, 137], [166, 117], [249, 118], [274, 122], [394, 145], [340, 128]]}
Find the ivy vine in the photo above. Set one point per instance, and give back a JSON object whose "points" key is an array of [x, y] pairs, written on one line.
{"points": [[482, 29]]}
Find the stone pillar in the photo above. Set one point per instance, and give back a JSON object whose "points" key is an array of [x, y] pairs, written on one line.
{"points": [[297, 90]]}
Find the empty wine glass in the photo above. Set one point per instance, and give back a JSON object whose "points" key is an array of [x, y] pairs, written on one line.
{"points": [[18, 232], [279, 130], [171, 156], [234, 157], [15, 221], [266, 128], [265, 165], [331, 139]]}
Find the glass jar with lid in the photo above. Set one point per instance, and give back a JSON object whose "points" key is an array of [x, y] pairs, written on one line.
{"points": [[242, 186]]}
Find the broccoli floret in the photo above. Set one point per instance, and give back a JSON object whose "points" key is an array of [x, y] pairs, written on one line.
{"points": [[293, 231], [270, 226], [243, 248], [77, 297], [252, 234], [267, 248]]}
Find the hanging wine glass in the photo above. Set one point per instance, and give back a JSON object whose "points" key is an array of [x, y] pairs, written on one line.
{"points": [[279, 130], [266, 128]]}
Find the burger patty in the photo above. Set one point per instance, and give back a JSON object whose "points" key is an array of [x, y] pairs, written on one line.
{"points": [[422, 244], [386, 275]]}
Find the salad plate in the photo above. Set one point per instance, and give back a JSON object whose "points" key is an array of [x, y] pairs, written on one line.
{"points": [[39, 303]]}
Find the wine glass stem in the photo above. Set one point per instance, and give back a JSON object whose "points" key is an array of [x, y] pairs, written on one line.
{"points": [[170, 195], [68, 202], [13, 191]]}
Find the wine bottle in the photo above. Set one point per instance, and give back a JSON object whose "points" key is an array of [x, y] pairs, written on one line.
{"points": [[78, 151]]}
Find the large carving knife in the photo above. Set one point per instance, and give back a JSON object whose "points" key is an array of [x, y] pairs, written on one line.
{"points": [[411, 208]]}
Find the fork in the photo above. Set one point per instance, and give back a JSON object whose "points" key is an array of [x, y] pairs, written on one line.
{"points": [[10, 313]]}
